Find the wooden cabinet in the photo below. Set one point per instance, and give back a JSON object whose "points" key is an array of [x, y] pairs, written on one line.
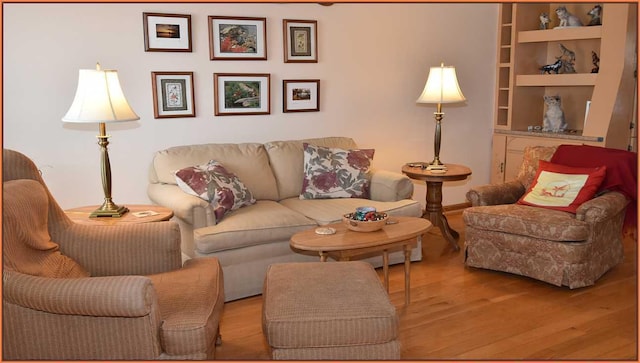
{"points": [[520, 85]]}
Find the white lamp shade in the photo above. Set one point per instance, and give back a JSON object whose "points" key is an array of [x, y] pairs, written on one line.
{"points": [[99, 98], [441, 87]]}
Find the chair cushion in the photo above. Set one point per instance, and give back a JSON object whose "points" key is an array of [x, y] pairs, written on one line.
{"points": [[529, 221], [529, 166], [191, 301], [26, 243]]}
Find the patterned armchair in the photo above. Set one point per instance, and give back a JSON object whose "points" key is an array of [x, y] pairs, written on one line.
{"points": [[83, 292], [557, 247]]}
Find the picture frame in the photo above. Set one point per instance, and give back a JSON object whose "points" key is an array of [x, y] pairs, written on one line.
{"points": [[237, 38], [173, 94], [242, 93], [167, 32], [300, 41], [301, 95]]}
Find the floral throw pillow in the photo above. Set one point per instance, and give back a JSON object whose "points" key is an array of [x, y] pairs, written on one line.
{"points": [[335, 173], [213, 183]]}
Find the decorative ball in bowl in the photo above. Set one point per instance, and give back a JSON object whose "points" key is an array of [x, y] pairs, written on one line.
{"points": [[374, 222]]}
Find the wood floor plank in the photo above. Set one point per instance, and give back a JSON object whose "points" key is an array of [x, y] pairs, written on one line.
{"points": [[460, 313]]}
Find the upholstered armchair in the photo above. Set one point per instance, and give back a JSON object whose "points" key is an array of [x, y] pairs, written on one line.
{"points": [[558, 247], [84, 292]]}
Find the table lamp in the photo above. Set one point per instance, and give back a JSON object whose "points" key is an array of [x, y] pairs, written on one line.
{"points": [[99, 99], [441, 87]]}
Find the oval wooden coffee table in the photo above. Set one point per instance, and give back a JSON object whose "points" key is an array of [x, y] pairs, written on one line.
{"points": [[345, 243]]}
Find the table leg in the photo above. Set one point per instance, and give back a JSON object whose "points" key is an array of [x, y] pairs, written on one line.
{"points": [[385, 268], [323, 256], [407, 274], [434, 213]]}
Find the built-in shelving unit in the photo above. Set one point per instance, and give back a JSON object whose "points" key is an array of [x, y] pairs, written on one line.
{"points": [[521, 85]]}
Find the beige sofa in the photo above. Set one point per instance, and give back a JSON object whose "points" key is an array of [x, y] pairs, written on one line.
{"points": [[251, 238]]}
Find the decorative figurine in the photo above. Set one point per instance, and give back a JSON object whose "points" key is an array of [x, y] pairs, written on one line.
{"points": [[554, 116], [566, 18], [555, 67], [568, 59], [596, 62], [596, 15], [544, 21]]}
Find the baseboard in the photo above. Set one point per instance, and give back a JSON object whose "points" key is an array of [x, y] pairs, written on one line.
{"points": [[455, 208]]}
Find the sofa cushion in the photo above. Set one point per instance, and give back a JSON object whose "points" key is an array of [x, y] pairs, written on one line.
{"points": [[562, 187], [326, 211], [287, 161], [264, 222], [249, 161], [26, 243], [215, 184], [528, 221], [335, 173]]}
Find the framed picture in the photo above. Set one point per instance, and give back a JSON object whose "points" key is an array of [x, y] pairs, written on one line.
{"points": [[300, 41], [167, 32], [301, 95], [241, 93], [173, 94], [236, 38]]}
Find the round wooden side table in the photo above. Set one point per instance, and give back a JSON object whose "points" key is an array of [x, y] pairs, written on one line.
{"points": [[139, 213], [434, 182]]}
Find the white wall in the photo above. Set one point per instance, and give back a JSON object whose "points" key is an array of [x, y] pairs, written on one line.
{"points": [[373, 62]]}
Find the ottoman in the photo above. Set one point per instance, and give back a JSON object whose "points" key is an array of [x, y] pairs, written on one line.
{"points": [[328, 311]]}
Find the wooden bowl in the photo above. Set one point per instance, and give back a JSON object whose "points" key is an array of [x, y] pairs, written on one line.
{"points": [[364, 226]]}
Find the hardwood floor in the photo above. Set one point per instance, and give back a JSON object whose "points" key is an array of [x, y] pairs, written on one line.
{"points": [[461, 313]]}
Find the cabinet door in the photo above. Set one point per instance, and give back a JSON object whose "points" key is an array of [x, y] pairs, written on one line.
{"points": [[498, 150]]}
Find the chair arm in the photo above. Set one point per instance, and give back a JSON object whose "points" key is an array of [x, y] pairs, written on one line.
{"points": [[387, 186], [125, 249], [602, 207], [191, 209], [494, 194], [115, 296]]}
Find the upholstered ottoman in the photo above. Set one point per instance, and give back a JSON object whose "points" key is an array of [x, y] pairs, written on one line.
{"points": [[328, 311]]}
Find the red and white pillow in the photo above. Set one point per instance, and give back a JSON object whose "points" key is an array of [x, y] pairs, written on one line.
{"points": [[335, 173], [561, 187], [213, 183]]}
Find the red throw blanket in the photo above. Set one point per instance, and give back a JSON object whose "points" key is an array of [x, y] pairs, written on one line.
{"points": [[622, 171]]}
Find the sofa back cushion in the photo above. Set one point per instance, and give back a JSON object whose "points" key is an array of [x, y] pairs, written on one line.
{"points": [[287, 161], [249, 161], [26, 243]]}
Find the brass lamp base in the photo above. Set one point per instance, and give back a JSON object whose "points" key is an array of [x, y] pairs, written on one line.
{"points": [[109, 210]]}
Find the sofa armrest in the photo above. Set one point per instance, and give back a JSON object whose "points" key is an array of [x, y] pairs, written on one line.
{"points": [[191, 209], [125, 249], [114, 296], [602, 207], [387, 186], [494, 194]]}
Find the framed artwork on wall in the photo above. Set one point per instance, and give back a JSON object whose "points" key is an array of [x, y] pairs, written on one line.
{"points": [[167, 32], [241, 93], [301, 95], [237, 38], [300, 41], [173, 94]]}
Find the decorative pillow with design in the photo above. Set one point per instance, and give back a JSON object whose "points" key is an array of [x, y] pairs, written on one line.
{"points": [[335, 173], [562, 187], [213, 183]]}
